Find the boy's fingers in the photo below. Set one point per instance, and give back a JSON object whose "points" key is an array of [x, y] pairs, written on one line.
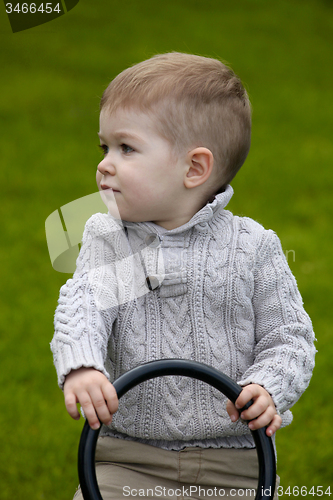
{"points": [[262, 420], [232, 411], [259, 406], [249, 392], [92, 390], [70, 402], [105, 402], [110, 396], [274, 425], [262, 412], [89, 411]]}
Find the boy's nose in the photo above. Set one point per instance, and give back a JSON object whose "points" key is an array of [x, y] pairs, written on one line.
{"points": [[106, 167]]}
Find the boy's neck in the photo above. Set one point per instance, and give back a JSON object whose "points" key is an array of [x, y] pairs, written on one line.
{"points": [[183, 219]]}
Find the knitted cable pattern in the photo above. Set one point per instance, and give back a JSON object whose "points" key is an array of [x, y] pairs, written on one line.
{"points": [[226, 298]]}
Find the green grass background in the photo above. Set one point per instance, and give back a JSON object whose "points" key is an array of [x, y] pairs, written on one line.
{"points": [[52, 77]]}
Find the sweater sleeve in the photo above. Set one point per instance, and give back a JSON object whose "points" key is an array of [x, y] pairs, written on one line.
{"points": [[86, 307], [284, 351]]}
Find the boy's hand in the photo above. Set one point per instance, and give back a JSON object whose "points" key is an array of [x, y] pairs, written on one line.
{"points": [[262, 410], [94, 392]]}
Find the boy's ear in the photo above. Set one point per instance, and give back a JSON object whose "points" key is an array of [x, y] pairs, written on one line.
{"points": [[201, 161]]}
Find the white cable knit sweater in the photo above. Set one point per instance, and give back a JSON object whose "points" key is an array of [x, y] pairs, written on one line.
{"points": [[226, 298]]}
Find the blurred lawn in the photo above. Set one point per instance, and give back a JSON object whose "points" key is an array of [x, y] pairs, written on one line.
{"points": [[52, 79]]}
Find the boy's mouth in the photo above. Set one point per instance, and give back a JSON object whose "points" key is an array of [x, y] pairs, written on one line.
{"points": [[104, 187]]}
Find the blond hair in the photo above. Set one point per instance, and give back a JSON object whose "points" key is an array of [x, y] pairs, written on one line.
{"points": [[197, 101]]}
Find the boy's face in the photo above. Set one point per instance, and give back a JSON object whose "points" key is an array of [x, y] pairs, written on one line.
{"points": [[139, 165]]}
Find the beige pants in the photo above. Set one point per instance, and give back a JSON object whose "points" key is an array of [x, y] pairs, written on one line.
{"points": [[127, 469]]}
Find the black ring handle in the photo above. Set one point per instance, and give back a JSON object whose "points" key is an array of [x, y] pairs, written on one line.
{"points": [[199, 371]]}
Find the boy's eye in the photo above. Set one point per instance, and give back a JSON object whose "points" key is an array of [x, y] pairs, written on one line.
{"points": [[104, 148], [126, 148]]}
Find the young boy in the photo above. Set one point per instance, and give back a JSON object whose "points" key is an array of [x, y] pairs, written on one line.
{"points": [[169, 273]]}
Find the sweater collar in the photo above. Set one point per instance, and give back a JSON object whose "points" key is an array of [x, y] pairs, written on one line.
{"points": [[200, 220]]}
